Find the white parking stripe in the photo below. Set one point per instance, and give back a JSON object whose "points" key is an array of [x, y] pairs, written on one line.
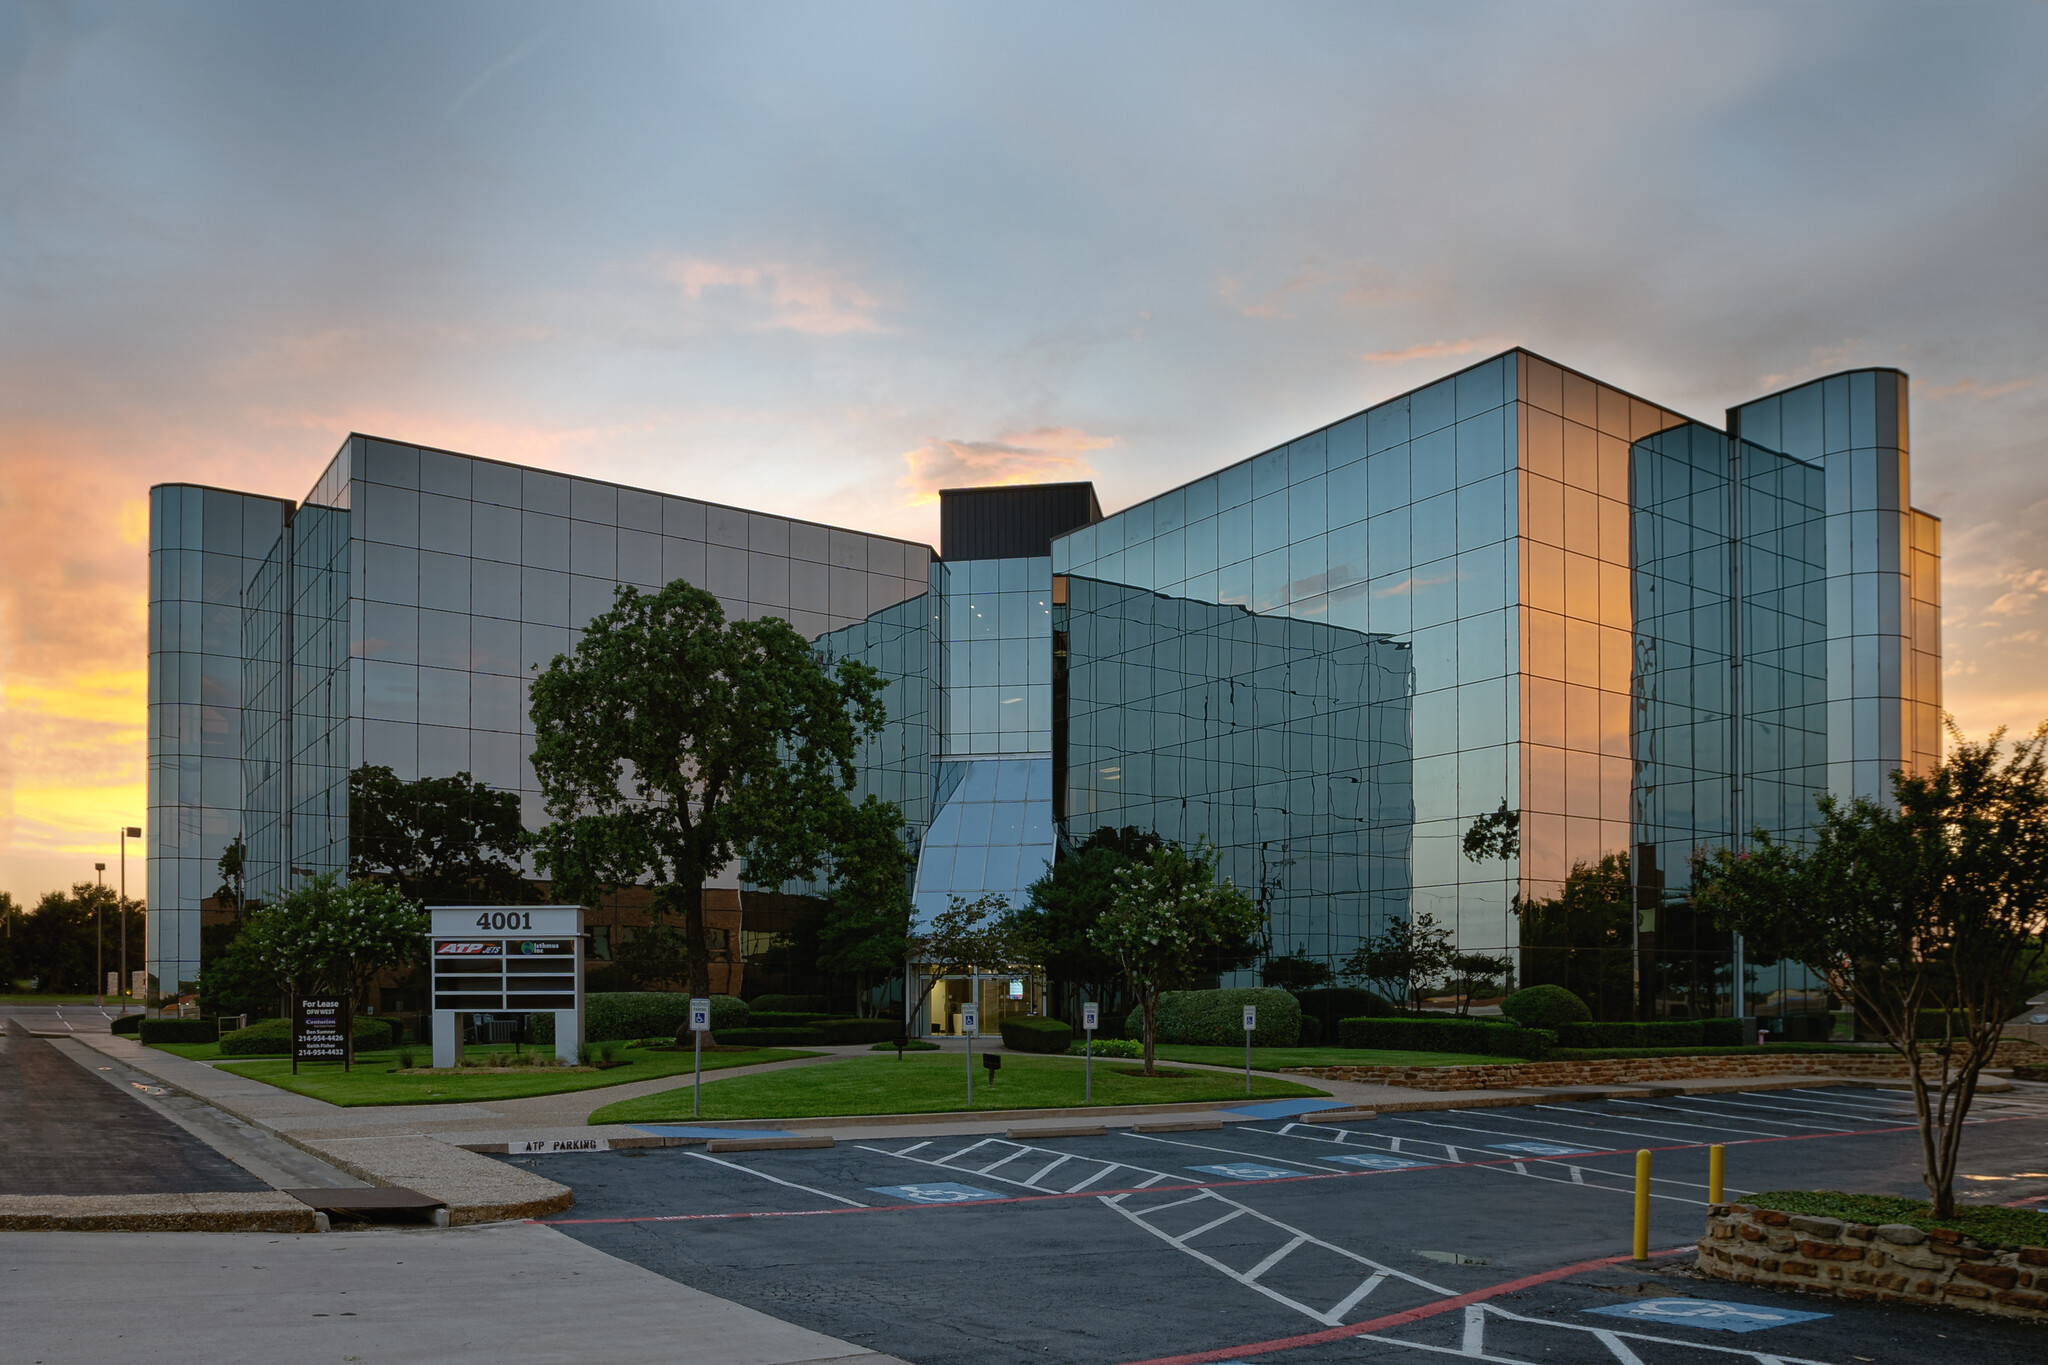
{"points": [[1238, 1151], [1046, 1170], [1725, 1125], [735, 1166], [1752, 1113]]}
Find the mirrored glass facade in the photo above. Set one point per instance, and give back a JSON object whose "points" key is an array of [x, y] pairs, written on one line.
{"points": [[1640, 632]]}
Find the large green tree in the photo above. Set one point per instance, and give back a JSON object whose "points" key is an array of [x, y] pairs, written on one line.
{"points": [[672, 742], [447, 840], [336, 936], [1173, 921], [1583, 938], [867, 917], [1410, 954], [1937, 900], [70, 936], [1063, 907]]}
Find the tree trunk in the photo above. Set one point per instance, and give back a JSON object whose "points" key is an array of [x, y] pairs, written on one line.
{"points": [[1148, 1000], [696, 952]]}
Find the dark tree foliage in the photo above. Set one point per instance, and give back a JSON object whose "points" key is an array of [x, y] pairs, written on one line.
{"points": [[1296, 972], [1495, 835], [233, 892], [440, 840], [1938, 901], [867, 921], [57, 944], [1583, 939], [1065, 905], [1409, 954], [673, 742]]}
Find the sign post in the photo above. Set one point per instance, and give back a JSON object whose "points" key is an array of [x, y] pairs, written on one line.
{"points": [[1090, 1018], [1251, 1021], [970, 1024], [700, 1024]]}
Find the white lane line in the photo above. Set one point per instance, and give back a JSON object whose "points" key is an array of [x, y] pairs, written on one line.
{"points": [[1239, 1151], [913, 1147], [1162, 1208], [1531, 1137], [1072, 1189], [1612, 1342], [1768, 1106], [1046, 1170], [1004, 1162], [1272, 1259], [749, 1170], [1350, 1301], [1726, 1122], [1211, 1225]]}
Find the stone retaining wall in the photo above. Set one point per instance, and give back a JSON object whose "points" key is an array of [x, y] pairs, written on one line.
{"points": [[1857, 1261], [1624, 1070]]}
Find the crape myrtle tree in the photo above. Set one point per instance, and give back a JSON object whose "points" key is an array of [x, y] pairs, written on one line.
{"points": [[1062, 908], [1173, 921], [336, 936], [671, 742], [1937, 901]]}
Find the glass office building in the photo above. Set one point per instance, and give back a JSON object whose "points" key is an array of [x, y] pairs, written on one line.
{"points": [[1517, 585]]}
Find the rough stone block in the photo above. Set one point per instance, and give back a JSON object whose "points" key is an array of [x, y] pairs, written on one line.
{"points": [[1861, 1232], [1817, 1227], [1772, 1218], [1949, 1235], [2037, 1303], [1998, 1276], [1923, 1286], [1751, 1233], [1966, 1291], [2033, 1255], [1901, 1234], [1800, 1268], [1721, 1232], [1781, 1241], [1821, 1251]]}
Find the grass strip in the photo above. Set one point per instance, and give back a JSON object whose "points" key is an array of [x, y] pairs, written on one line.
{"points": [[1991, 1224], [928, 1083], [375, 1080]]}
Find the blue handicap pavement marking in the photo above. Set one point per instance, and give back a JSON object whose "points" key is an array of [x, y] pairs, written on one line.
{"points": [[692, 1131], [1286, 1109], [1538, 1148], [944, 1192], [1379, 1163], [1722, 1317], [1245, 1170]]}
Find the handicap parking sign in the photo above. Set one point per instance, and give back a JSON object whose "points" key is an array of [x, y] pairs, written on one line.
{"points": [[1378, 1163], [1537, 1148], [942, 1193], [1712, 1313], [1245, 1170]]}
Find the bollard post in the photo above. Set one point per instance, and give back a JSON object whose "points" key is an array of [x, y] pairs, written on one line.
{"points": [[1717, 1170], [1642, 1241]]}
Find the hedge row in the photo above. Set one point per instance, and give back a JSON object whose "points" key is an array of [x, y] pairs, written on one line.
{"points": [[1667, 1033], [1030, 1033], [789, 1004], [127, 1023], [1445, 1035], [614, 1016], [178, 1030], [273, 1037], [1217, 1017]]}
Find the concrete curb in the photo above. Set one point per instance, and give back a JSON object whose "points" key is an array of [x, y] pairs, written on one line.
{"points": [[219, 1212]]}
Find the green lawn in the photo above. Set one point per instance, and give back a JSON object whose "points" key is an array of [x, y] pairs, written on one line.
{"points": [[33, 998], [1273, 1058], [373, 1080], [924, 1083]]}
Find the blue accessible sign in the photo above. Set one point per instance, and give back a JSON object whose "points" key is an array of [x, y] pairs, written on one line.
{"points": [[1380, 1163], [942, 1193], [1712, 1313], [1537, 1148], [1245, 1170]]}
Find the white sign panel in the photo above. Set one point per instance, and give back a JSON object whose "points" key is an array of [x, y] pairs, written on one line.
{"points": [[1090, 1018], [970, 1020], [562, 1145], [1251, 1017], [501, 921], [700, 1015]]}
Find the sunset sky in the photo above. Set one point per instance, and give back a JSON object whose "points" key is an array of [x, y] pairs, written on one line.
{"points": [[824, 259]]}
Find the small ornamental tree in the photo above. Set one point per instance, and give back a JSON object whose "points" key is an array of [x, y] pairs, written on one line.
{"points": [[1936, 902], [339, 936], [672, 742], [1409, 953], [1065, 905], [1171, 922]]}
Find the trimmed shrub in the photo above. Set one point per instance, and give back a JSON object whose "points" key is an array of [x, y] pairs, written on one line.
{"points": [[615, 1016], [179, 1030], [1029, 1033], [1217, 1017], [789, 1004], [786, 1018], [273, 1038], [909, 1045], [1721, 1032], [1108, 1047], [1311, 1032], [1446, 1034], [1670, 1033], [128, 1023], [1333, 1003], [1545, 1007], [841, 1032], [769, 1037]]}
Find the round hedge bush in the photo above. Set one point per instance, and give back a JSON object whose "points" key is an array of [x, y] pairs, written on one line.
{"points": [[1545, 1007]]}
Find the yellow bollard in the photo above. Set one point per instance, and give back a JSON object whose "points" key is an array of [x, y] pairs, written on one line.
{"points": [[1717, 1169], [1642, 1248]]}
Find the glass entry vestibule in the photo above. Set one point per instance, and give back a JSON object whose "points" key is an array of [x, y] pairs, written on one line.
{"points": [[999, 993]]}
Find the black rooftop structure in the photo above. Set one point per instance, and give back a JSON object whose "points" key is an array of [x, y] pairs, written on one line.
{"points": [[1012, 521]]}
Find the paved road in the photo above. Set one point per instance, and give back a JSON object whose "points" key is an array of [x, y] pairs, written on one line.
{"points": [[1289, 1242], [71, 1132]]}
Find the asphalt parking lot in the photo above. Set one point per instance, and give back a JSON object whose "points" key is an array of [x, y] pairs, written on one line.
{"points": [[1493, 1234]]}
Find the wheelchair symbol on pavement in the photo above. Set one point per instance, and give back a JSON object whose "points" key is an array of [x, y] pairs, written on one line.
{"points": [[1712, 1313], [943, 1193]]}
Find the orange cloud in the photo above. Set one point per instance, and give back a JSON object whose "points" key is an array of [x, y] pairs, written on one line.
{"points": [[1430, 350], [1972, 388], [795, 298], [1045, 455]]}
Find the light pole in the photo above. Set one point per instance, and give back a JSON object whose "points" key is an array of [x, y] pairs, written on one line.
{"points": [[99, 942], [127, 832]]}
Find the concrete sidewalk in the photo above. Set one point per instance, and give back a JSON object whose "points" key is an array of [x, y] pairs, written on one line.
{"points": [[507, 1294]]}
